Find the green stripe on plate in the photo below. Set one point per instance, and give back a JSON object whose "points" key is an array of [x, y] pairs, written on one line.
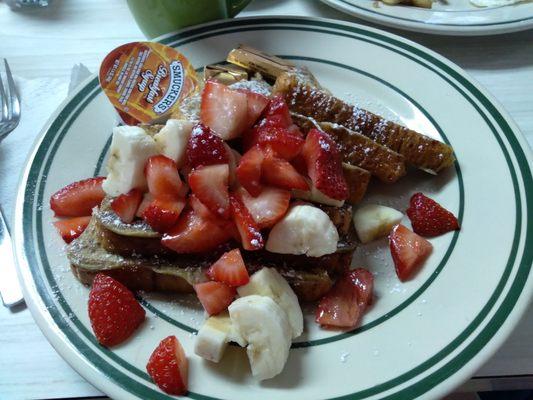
{"points": [[422, 386]]}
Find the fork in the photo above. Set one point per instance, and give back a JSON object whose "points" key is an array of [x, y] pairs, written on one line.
{"points": [[9, 119]]}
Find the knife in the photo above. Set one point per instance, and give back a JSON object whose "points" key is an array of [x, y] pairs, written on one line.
{"points": [[9, 285]]}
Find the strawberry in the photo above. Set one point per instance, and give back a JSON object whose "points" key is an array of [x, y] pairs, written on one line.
{"points": [[277, 112], [249, 170], [429, 218], [113, 311], [229, 269], [267, 208], [168, 366], [251, 237], [234, 158], [363, 280], [215, 296], [339, 307], [285, 142], [194, 234], [163, 213], [145, 202], [205, 148], [224, 110], [162, 176], [203, 212], [256, 104], [210, 185], [408, 250], [278, 172], [126, 205], [71, 228], [324, 164], [78, 198]]}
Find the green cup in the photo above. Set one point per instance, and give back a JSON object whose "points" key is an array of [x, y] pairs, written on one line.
{"points": [[157, 17]]}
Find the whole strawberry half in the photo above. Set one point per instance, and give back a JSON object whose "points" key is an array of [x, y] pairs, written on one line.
{"points": [[168, 366], [113, 310], [429, 218]]}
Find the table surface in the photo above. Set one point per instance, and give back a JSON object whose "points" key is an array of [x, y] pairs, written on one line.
{"points": [[47, 43]]}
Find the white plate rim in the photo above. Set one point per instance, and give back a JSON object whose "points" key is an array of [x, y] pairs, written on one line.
{"points": [[419, 25], [58, 338]]}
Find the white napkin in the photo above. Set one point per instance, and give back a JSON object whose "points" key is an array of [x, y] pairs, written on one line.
{"points": [[39, 99]]}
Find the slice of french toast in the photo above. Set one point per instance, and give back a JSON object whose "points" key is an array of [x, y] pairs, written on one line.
{"points": [[419, 150]]}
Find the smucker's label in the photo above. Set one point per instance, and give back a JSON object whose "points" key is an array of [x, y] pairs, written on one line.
{"points": [[146, 80]]}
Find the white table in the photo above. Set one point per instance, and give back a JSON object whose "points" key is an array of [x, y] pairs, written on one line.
{"points": [[47, 43]]}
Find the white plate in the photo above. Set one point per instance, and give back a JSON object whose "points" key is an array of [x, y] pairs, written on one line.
{"points": [[421, 338], [450, 17]]}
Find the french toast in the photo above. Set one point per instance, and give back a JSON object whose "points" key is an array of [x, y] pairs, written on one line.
{"points": [[419, 150]]}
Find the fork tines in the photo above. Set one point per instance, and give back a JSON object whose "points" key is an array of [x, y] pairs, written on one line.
{"points": [[10, 103]]}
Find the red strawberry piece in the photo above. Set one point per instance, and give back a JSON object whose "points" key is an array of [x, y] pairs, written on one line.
{"points": [[113, 310], [256, 104], [251, 238], [408, 251], [162, 176], [278, 112], [233, 161], [324, 164], [267, 208], [126, 205], [429, 218], [201, 210], [168, 366], [71, 228], [363, 280], [205, 148], [285, 142], [163, 213], [145, 202], [210, 185], [78, 199], [280, 173], [229, 269], [224, 110], [215, 296], [249, 170], [194, 234], [339, 307]]}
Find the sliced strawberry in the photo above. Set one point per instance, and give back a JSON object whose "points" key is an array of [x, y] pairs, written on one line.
{"points": [[71, 228], [145, 202], [113, 311], [363, 280], [256, 104], [229, 269], [251, 238], [429, 218], [408, 250], [168, 366], [205, 148], [234, 158], [194, 234], [163, 213], [210, 185], [285, 142], [215, 296], [78, 199], [224, 110], [278, 172], [126, 205], [201, 210], [324, 164], [277, 112], [162, 176], [267, 208], [339, 307], [249, 170]]}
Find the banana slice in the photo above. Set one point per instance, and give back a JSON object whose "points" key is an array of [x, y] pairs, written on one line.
{"points": [[304, 230], [214, 335], [131, 146], [269, 282], [264, 325], [374, 221], [172, 139]]}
